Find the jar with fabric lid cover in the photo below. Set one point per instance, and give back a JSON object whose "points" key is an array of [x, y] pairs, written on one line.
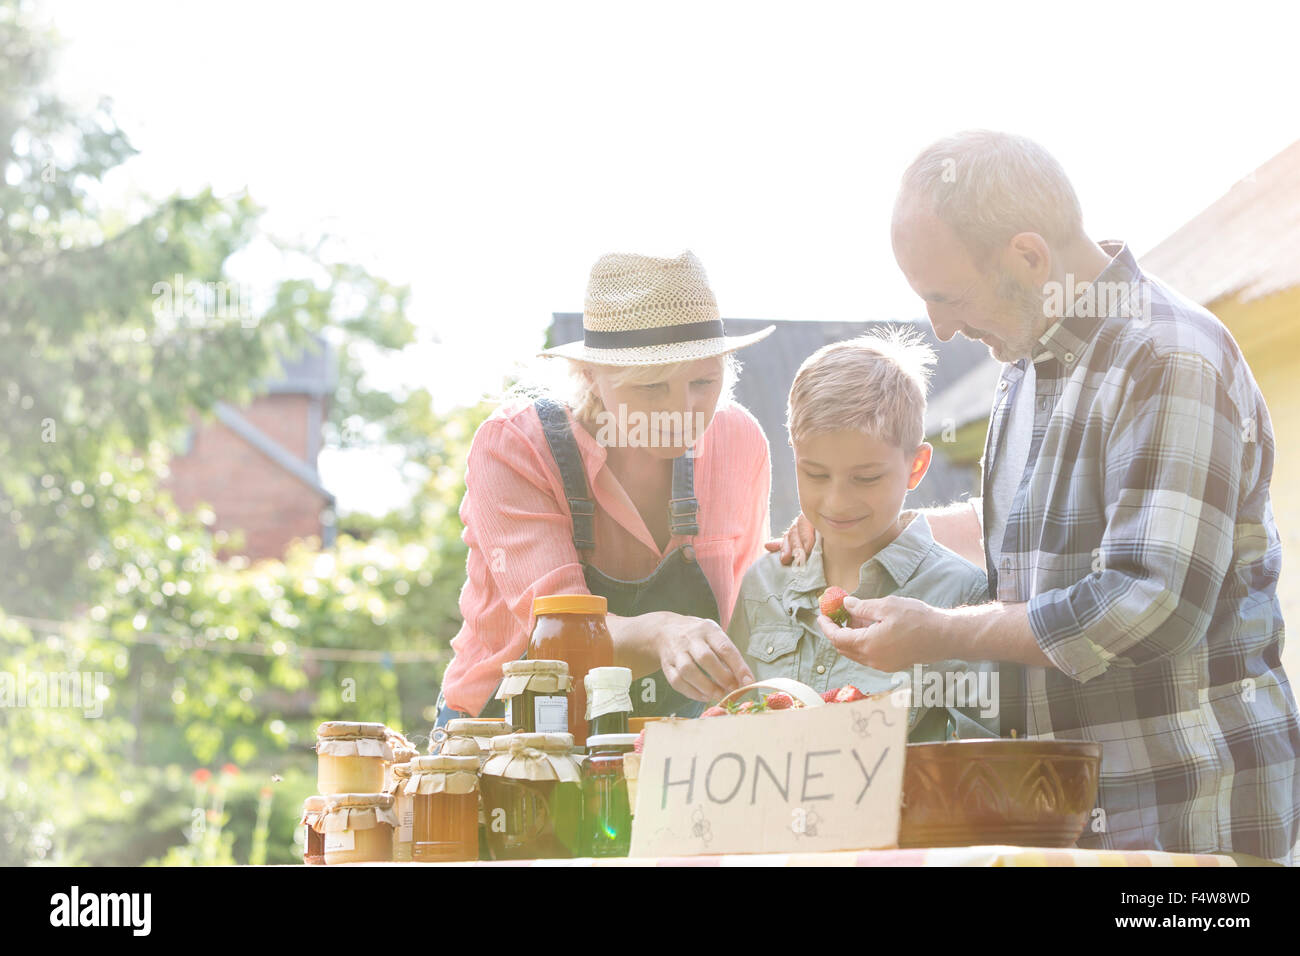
{"points": [[444, 792], [532, 797], [358, 827]]}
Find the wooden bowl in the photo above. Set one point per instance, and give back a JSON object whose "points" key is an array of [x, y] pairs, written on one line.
{"points": [[982, 792]]}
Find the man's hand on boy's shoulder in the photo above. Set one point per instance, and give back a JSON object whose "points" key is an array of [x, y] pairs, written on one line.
{"points": [[893, 633]]}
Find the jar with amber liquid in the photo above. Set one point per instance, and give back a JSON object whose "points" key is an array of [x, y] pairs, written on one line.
{"points": [[350, 757], [571, 628], [313, 847], [358, 827], [444, 792], [532, 797], [536, 695], [470, 737]]}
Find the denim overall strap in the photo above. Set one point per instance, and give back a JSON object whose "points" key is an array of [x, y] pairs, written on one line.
{"points": [[683, 508], [564, 449]]}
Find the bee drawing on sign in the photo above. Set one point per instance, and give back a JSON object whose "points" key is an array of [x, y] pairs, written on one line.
{"points": [[862, 722], [700, 828]]}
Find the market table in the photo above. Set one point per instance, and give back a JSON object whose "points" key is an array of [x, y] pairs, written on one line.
{"points": [[940, 856]]}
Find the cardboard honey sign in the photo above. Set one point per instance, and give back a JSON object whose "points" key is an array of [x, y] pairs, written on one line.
{"points": [[797, 781]]}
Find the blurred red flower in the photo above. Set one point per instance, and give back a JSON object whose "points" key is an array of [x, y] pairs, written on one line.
{"points": [[201, 775]]}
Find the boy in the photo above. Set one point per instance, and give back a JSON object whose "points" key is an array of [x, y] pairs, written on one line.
{"points": [[856, 421]]}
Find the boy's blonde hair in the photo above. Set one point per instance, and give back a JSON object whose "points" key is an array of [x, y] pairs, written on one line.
{"points": [[875, 383]]}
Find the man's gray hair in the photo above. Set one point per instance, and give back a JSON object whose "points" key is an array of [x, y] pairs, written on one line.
{"points": [[988, 186]]}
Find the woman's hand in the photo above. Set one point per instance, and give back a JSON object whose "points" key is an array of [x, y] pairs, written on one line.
{"points": [[699, 660], [695, 654], [795, 544]]}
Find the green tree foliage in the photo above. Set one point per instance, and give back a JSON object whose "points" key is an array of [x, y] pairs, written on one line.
{"points": [[194, 661]]}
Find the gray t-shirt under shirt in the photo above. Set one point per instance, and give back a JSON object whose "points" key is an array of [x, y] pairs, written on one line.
{"points": [[1019, 433]]}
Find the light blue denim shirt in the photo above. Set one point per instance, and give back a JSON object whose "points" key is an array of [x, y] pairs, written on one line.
{"points": [[774, 626]]}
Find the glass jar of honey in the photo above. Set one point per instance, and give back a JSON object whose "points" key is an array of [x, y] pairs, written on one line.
{"points": [[571, 628], [609, 701], [470, 737], [536, 693], [358, 827], [444, 790], [606, 812], [350, 757], [532, 797], [404, 808], [313, 847]]}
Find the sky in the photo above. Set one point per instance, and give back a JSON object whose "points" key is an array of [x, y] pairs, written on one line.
{"points": [[487, 154]]}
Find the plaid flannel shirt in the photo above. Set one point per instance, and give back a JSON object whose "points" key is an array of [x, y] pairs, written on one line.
{"points": [[1142, 538]]}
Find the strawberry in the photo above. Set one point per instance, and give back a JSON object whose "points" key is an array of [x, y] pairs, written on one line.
{"points": [[714, 711], [748, 707], [843, 695], [640, 742], [832, 605], [779, 701]]}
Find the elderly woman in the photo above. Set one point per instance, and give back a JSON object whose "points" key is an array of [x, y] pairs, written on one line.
{"points": [[670, 479]]}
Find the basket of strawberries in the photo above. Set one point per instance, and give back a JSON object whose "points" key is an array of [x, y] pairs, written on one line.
{"points": [[766, 696]]}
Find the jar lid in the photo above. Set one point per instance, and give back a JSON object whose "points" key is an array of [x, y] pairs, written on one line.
{"points": [[513, 668], [314, 803], [547, 743], [355, 811], [570, 604], [444, 763], [335, 801], [610, 740], [608, 678], [402, 769], [348, 728], [477, 726], [540, 677], [537, 757]]}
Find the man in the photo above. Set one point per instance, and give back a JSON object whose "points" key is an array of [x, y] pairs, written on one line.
{"points": [[1128, 533]]}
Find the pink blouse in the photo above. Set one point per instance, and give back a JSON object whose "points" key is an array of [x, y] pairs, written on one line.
{"points": [[519, 533]]}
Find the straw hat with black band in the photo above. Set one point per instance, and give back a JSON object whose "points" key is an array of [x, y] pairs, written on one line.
{"points": [[640, 310]]}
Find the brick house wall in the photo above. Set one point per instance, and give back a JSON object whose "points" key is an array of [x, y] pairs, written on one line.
{"points": [[247, 490]]}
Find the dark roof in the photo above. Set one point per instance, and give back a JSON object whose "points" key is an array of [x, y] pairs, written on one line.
{"points": [[768, 371], [309, 372]]}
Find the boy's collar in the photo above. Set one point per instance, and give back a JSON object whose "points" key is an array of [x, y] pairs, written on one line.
{"points": [[900, 559]]}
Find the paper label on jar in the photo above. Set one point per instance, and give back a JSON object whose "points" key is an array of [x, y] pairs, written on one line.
{"points": [[340, 840], [551, 714], [406, 828]]}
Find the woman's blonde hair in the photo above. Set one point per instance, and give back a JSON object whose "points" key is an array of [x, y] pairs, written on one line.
{"points": [[577, 388], [586, 403]]}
